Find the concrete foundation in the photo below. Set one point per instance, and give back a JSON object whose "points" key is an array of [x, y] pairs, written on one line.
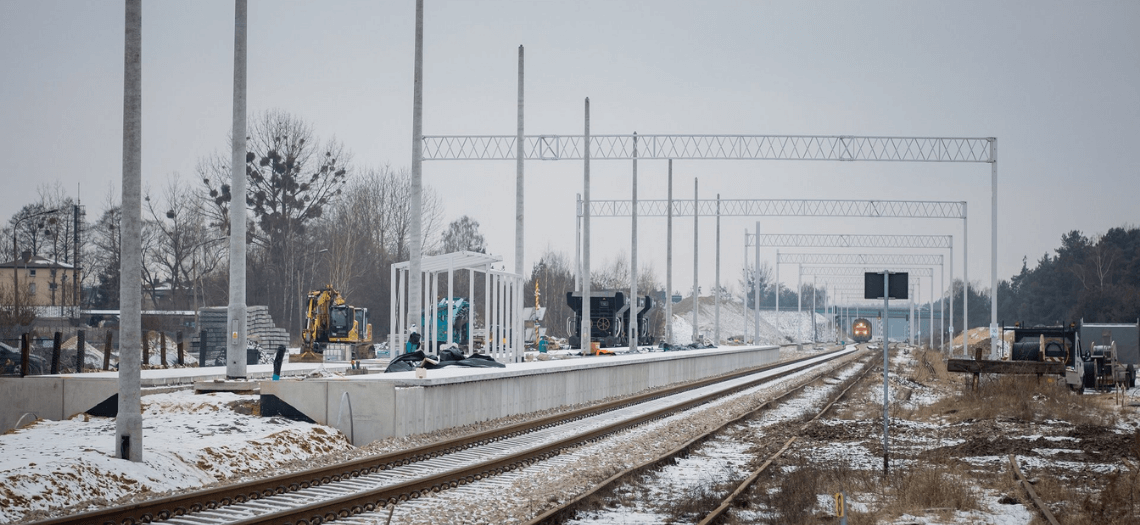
{"points": [[377, 406], [62, 396]]}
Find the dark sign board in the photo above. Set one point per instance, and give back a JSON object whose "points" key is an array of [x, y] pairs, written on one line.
{"points": [[873, 285]]}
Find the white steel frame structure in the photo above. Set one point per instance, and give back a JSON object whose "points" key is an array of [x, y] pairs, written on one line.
{"points": [[502, 303]]}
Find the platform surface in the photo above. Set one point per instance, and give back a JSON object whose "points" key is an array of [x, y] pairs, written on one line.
{"points": [[378, 405]]}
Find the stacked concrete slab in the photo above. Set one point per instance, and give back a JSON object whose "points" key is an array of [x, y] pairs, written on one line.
{"points": [[258, 322]]}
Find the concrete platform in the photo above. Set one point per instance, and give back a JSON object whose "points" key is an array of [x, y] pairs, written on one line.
{"points": [[62, 396], [377, 406]]}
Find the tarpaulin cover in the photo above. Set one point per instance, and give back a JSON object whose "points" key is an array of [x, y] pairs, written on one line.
{"points": [[447, 357]]}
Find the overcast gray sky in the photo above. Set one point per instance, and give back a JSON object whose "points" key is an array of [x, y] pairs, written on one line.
{"points": [[1058, 83]]}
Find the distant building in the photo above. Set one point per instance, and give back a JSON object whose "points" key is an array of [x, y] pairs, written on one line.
{"points": [[44, 284]]}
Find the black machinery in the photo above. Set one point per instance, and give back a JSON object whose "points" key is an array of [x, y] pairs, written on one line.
{"points": [[609, 316]]}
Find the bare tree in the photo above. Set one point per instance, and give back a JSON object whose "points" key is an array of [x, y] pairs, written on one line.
{"points": [[293, 180]]}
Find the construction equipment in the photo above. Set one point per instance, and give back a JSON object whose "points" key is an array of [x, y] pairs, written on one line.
{"points": [[459, 327], [329, 320], [1068, 351], [609, 315]]}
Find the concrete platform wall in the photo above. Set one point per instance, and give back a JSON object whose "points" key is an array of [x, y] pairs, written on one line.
{"points": [[51, 397], [368, 408]]}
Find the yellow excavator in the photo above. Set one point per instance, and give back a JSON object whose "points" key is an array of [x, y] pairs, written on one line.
{"points": [[328, 320]]}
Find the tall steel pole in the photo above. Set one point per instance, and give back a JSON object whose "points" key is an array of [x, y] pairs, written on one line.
{"points": [[235, 350], [632, 328], [716, 287], [519, 176], [415, 277], [965, 288], [578, 247], [587, 321], [128, 423], [696, 294], [994, 353], [799, 301], [756, 282], [669, 261], [886, 368]]}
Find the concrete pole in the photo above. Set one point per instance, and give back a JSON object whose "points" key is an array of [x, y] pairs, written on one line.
{"points": [[696, 298], [578, 247], [756, 280], [487, 308], [951, 318], [942, 310], [886, 368], [669, 260], [128, 424], [415, 282], [994, 352], [965, 287], [587, 321], [632, 328], [814, 281], [519, 154], [799, 301], [779, 334], [931, 310], [235, 350], [744, 302], [716, 286]]}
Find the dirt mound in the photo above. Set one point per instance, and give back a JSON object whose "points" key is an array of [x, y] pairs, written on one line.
{"points": [[980, 446], [1105, 444]]}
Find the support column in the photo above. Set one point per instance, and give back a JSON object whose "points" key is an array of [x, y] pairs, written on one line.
{"points": [[519, 155], [128, 443], [238, 336], [415, 233], [756, 279], [669, 261], [779, 334], [587, 321], [799, 301], [696, 251], [965, 287], [995, 353], [716, 286], [633, 309]]}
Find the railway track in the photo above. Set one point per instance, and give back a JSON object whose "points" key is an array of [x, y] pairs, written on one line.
{"points": [[569, 509], [374, 484]]}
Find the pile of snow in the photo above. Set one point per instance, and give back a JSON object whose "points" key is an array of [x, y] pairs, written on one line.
{"points": [[791, 326], [188, 441]]}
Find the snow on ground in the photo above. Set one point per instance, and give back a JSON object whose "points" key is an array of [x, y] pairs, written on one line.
{"points": [[793, 325], [189, 441]]}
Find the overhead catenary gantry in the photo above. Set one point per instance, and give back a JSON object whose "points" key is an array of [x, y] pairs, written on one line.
{"points": [[837, 241], [854, 275], [520, 147], [756, 208], [874, 260]]}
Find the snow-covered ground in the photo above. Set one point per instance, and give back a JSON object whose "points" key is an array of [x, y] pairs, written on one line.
{"points": [[793, 325], [189, 441]]}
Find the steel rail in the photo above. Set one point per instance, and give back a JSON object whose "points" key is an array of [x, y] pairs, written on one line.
{"points": [[192, 502], [748, 481], [1024, 482], [562, 512], [379, 498]]}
